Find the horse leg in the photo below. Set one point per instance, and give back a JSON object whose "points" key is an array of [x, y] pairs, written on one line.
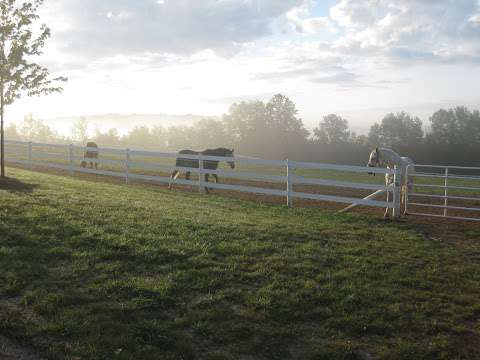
{"points": [[172, 178], [387, 215], [216, 178], [206, 181]]}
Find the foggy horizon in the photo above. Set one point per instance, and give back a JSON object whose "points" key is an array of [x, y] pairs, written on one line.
{"points": [[360, 120]]}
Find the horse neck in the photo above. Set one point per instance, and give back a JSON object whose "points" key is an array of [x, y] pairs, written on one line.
{"points": [[391, 158]]}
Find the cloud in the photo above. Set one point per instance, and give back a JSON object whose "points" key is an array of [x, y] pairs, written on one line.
{"points": [[407, 31], [302, 22], [112, 27], [301, 65], [286, 74], [355, 43], [475, 19], [228, 100], [352, 14], [342, 79]]}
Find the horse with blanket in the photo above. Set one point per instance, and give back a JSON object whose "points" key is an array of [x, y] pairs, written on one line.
{"points": [[91, 155], [207, 164]]}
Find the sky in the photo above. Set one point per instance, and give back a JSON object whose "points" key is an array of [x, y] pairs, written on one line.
{"points": [[357, 58]]}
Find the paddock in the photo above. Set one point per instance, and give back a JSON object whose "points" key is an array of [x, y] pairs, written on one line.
{"points": [[153, 271], [293, 183]]}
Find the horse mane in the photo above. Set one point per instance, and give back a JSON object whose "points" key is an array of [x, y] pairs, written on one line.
{"points": [[218, 151]]}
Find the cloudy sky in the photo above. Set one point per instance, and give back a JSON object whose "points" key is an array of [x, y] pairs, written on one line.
{"points": [[358, 58]]}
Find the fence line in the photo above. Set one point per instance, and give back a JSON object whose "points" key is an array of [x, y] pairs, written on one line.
{"points": [[127, 159]]}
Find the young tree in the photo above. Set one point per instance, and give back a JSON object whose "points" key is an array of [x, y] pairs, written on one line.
{"points": [[35, 130], [110, 137], [80, 130], [18, 45]]}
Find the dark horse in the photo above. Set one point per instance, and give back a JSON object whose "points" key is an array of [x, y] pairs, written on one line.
{"points": [[90, 154], [207, 164]]}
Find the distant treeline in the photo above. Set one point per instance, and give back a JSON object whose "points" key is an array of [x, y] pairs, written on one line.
{"points": [[274, 130]]}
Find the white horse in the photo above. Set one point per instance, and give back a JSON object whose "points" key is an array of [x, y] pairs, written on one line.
{"points": [[389, 158]]}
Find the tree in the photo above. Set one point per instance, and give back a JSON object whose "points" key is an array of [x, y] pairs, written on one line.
{"points": [[332, 130], [270, 129], [35, 130], [281, 115], [455, 127], [18, 45], [142, 136], [245, 120], [11, 132], [80, 130], [210, 133], [400, 131], [111, 137]]}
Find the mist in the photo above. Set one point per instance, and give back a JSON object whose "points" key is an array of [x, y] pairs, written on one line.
{"points": [[273, 129]]}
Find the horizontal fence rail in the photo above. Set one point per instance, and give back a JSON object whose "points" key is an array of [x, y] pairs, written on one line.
{"points": [[154, 166], [455, 196]]}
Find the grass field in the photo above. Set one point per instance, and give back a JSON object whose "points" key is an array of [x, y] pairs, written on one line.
{"points": [[107, 271]]}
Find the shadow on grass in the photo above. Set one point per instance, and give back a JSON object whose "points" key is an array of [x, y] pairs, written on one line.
{"points": [[15, 185]]}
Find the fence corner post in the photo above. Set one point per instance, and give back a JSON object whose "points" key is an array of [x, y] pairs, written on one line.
{"points": [[127, 166], [445, 201], [397, 192], [201, 187], [407, 188], [30, 155], [70, 158], [289, 184]]}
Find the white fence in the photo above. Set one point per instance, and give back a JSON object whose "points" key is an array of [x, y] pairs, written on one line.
{"points": [[68, 157], [444, 191]]}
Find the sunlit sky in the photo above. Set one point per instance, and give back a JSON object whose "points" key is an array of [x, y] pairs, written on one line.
{"points": [[357, 58]]}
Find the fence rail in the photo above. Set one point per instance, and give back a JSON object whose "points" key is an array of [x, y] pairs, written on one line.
{"points": [[128, 162], [446, 183]]}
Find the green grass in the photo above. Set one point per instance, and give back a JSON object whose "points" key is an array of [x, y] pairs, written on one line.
{"points": [[103, 271]]}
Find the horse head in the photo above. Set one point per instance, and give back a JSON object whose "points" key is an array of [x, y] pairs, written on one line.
{"points": [[229, 153], [374, 159]]}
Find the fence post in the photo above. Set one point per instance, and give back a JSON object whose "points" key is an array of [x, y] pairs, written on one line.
{"points": [[70, 158], [30, 159], [407, 188], [397, 192], [201, 187], [445, 210], [127, 166], [289, 185]]}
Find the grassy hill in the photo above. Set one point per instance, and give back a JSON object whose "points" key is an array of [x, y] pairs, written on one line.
{"points": [[108, 271]]}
